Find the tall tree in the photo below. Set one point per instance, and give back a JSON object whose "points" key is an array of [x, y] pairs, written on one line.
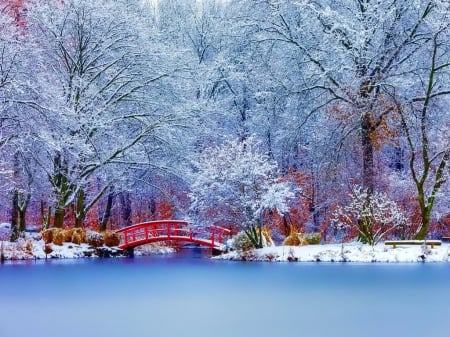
{"points": [[424, 118], [93, 78]]}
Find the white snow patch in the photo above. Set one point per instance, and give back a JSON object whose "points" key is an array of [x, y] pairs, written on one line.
{"points": [[347, 252], [33, 247]]}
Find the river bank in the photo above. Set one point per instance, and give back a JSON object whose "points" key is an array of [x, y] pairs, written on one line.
{"points": [[346, 252], [32, 247]]}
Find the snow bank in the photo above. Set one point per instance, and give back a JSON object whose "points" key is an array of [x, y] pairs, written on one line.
{"points": [[347, 252], [33, 247]]}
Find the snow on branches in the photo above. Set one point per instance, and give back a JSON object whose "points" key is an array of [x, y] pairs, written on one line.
{"points": [[373, 216], [235, 184]]}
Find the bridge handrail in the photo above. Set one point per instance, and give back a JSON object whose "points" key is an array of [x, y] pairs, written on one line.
{"points": [[153, 224], [219, 229]]}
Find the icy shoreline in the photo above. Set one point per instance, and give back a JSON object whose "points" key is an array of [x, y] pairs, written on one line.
{"points": [[347, 252], [32, 248]]}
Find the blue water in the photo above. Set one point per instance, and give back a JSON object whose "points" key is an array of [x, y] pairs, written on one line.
{"points": [[190, 295]]}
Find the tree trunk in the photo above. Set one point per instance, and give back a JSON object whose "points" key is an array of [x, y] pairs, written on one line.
{"points": [[14, 235], [22, 209], [254, 233], [365, 223], [368, 154], [152, 207], [58, 219], [62, 190], [107, 212], [125, 211], [22, 222], [45, 218], [79, 209], [313, 204], [423, 231]]}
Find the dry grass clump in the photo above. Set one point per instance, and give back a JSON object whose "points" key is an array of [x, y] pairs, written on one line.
{"points": [[58, 236], [267, 235], [28, 247], [79, 236], [47, 235], [292, 240], [67, 234], [111, 239], [76, 238], [295, 239]]}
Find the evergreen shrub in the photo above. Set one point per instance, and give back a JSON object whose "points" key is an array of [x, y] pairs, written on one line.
{"points": [[242, 242], [313, 238]]}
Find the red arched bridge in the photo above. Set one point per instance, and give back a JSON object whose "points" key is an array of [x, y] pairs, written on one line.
{"points": [[171, 230]]}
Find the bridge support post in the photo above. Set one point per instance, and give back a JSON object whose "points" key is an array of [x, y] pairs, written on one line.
{"points": [[130, 252], [216, 252]]}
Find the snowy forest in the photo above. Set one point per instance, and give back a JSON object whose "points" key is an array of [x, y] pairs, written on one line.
{"points": [[317, 116]]}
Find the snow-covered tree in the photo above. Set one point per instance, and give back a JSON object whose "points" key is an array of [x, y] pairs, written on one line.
{"points": [[235, 184], [368, 44], [372, 215], [95, 89], [17, 168], [422, 104]]}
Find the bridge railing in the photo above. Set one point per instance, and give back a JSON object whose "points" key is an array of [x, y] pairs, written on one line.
{"points": [[171, 230]]}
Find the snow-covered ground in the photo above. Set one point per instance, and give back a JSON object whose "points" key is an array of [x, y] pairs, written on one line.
{"points": [[33, 247], [347, 252]]}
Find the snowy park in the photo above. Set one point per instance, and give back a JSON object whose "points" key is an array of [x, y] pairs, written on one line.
{"points": [[119, 113], [226, 168]]}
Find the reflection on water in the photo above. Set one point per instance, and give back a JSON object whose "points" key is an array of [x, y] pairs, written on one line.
{"points": [[190, 295]]}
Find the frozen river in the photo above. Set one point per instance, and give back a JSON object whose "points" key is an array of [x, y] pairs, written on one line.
{"points": [[190, 295]]}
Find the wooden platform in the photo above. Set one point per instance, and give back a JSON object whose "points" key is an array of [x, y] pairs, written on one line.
{"points": [[395, 243]]}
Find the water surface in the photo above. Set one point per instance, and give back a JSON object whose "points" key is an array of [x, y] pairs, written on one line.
{"points": [[191, 295]]}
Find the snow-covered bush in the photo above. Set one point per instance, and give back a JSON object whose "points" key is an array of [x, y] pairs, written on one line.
{"points": [[236, 184], [371, 216], [95, 239], [241, 242]]}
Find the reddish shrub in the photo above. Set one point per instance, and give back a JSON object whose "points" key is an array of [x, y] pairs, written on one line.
{"points": [[67, 234], [48, 249], [79, 236], [111, 239], [58, 236], [47, 235]]}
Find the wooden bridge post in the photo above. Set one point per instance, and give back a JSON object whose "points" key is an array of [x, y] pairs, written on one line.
{"points": [[130, 252]]}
